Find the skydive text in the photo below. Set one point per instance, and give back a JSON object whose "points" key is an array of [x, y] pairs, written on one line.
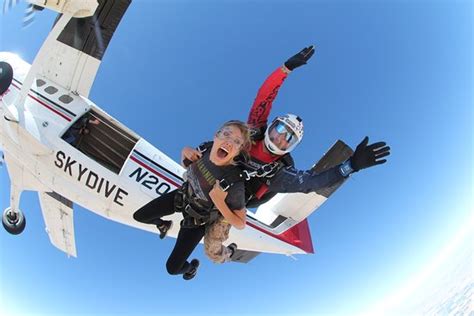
{"points": [[89, 178]]}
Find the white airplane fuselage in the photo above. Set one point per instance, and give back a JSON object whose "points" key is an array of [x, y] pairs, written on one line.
{"points": [[39, 159]]}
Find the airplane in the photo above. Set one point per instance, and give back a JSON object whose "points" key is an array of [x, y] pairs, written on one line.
{"points": [[60, 144]]}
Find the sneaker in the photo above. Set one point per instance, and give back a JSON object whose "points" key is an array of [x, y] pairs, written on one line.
{"points": [[164, 227], [232, 247], [192, 271]]}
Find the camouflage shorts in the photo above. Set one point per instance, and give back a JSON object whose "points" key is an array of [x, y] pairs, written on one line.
{"points": [[216, 234]]}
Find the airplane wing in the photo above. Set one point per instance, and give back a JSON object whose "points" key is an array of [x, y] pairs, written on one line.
{"points": [[287, 209], [284, 216], [58, 217], [74, 57]]}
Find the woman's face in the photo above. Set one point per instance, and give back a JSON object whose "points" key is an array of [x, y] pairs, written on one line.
{"points": [[228, 143]]}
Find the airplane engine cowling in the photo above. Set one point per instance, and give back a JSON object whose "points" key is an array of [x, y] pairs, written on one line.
{"points": [[6, 76]]}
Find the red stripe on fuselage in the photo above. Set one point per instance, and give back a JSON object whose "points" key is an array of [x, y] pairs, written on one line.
{"points": [[298, 235], [45, 105], [154, 171]]}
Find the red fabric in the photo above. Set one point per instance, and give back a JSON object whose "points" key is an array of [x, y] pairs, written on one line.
{"points": [[258, 117], [262, 105], [258, 152], [300, 236]]}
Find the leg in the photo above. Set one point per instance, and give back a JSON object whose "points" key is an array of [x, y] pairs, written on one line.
{"points": [[216, 234], [186, 242], [152, 212]]}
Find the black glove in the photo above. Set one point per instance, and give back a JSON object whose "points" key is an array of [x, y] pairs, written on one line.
{"points": [[368, 156], [300, 59]]}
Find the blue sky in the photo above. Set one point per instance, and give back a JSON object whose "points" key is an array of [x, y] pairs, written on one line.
{"points": [[399, 71]]}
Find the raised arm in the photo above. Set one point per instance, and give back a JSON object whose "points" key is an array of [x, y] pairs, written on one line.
{"points": [[262, 105], [290, 180]]}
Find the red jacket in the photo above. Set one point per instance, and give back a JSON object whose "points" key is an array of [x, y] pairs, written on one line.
{"points": [[258, 119], [258, 116]]}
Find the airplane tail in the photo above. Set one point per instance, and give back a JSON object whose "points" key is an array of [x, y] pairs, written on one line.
{"points": [[300, 236]]}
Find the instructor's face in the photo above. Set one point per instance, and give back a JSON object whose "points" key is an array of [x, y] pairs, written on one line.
{"points": [[280, 138], [228, 142]]}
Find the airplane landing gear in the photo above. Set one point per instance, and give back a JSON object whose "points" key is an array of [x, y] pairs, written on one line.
{"points": [[14, 222], [13, 219]]}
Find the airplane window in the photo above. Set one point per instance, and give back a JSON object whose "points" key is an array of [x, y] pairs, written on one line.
{"points": [[51, 90], [40, 82], [65, 99]]}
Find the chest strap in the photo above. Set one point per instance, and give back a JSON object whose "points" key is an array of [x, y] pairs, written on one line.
{"points": [[265, 171]]}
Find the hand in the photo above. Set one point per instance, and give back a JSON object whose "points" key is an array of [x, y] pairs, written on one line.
{"points": [[300, 59], [94, 121], [190, 154], [368, 156], [217, 195]]}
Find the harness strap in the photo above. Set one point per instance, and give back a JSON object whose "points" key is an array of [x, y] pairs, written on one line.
{"points": [[265, 171], [193, 213], [232, 178], [203, 147]]}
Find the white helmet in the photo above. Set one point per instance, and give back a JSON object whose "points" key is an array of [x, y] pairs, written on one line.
{"points": [[289, 124]]}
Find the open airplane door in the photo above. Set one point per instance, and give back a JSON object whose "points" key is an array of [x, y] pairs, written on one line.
{"points": [[58, 217]]}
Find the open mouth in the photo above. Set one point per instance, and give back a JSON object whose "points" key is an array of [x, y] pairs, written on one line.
{"points": [[222, 153]]}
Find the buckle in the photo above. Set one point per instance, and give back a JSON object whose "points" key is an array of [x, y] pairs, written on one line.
{"points": [[224, 185], [248, 175], [268, 168], [265, 170], [198, 222]]}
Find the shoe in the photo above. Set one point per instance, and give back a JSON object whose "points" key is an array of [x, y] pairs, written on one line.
{"points": [[232, 247], [164, 227], [192, 271]]}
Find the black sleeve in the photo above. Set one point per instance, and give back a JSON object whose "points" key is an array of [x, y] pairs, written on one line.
{"points": [[291, 180]]}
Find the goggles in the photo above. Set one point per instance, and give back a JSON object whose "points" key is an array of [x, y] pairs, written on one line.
{"points": [[281, 128], [226, 134]]}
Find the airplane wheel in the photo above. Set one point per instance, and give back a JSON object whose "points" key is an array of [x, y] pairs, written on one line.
{"points": [[6, 76], [13, 222]]}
